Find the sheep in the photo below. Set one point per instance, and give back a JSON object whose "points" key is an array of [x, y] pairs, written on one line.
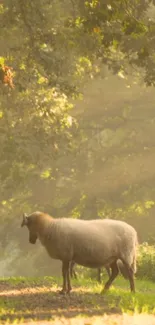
{"points": [[72, 270], [73, 273], [119, 264], [90, 243]]}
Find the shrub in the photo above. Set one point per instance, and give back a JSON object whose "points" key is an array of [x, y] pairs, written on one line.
{"points": [[146, 262]]}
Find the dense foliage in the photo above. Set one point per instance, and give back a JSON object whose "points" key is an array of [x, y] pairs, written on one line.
{"points": [[74, 140], [146, 262]]}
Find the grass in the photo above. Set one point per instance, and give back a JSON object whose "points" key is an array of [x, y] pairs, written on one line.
{"points": [[23, 300]]}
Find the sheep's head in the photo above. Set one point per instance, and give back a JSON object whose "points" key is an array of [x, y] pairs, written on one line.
{"points": [[29, 222]]}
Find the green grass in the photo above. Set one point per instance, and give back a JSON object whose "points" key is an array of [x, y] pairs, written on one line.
{"points": [[142, 301], [23, 299]]}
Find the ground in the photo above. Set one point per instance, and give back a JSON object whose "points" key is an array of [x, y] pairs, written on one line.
{"points": [[36, 301]]}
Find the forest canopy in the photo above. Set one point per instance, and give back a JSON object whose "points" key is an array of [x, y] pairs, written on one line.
{"points": [[74, 139]]}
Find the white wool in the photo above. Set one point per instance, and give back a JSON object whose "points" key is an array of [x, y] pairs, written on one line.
{"points": [[91, 243]]}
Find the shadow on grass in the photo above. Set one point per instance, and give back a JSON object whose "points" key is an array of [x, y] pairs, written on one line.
{"points": [[38, 299], [43, 303]]}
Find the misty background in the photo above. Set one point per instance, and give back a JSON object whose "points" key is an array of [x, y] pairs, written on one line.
{"points": [[77, 133]]}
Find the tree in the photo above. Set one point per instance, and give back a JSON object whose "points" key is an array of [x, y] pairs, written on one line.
{"points": [[51, 159]]}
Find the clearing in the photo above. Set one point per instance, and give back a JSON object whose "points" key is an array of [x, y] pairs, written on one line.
{"points": [[36, 301]]}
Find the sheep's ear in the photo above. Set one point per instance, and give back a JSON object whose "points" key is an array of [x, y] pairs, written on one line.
{"points": [[25, 220]]}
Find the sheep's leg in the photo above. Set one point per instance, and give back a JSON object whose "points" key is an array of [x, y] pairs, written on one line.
{"points": [[74, 274], [113, 275], [65, 270], [108, 271], [130, 274], [69, 288], [122, 269], [99, 275], [72, 270]]}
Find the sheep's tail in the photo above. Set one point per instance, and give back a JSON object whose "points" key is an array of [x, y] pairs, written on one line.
{"points": [[134, 263]]}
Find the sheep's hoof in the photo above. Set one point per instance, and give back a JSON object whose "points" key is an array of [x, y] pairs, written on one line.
{"points": [[62, 292], [133, 291], [104, 291], [68, 292]]}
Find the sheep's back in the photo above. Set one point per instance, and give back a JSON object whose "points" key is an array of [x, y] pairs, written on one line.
{"points": [[91, 243]]}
